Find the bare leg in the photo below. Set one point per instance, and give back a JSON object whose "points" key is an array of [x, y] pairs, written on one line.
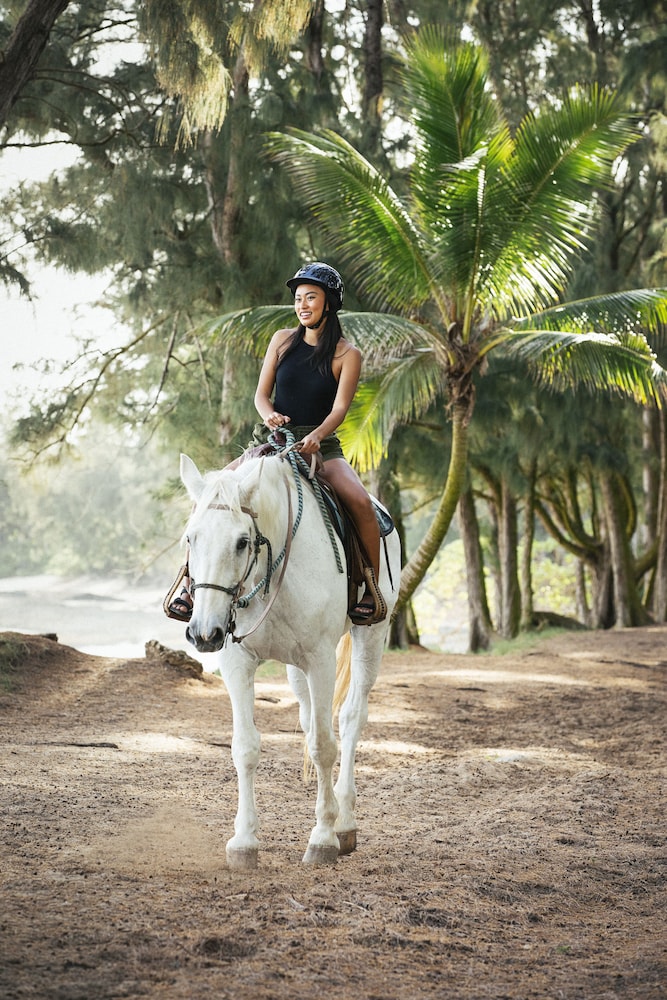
{"points": [[352, 492]]}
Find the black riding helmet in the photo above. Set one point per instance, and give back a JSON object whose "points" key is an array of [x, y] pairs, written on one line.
{"points": [[325, 276]]}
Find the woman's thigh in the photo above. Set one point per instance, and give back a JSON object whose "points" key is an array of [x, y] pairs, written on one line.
{"points": [[345, 481]]}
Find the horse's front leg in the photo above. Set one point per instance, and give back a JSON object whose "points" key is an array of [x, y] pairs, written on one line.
{"points": [[323, 843], [238, 672]]}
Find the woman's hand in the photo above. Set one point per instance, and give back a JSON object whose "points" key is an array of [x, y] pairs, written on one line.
{"points": [[310, 444], [275, 420]]}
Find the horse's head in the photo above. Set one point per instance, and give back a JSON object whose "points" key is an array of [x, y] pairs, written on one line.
{"points": [[222, 539]]}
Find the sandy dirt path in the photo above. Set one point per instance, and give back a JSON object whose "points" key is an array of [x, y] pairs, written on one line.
{"points": [[512, 841]]}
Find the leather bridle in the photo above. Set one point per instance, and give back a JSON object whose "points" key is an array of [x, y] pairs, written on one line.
{"points": [[236, 591], [253, 555]]}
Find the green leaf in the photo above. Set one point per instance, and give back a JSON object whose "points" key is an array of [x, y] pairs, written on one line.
{"points": [[600, 362], [405, 391], [249, 330], [642, 308], [360, 213]]}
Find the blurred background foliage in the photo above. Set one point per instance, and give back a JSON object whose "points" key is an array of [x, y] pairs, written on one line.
{"points": [[186, 219]]}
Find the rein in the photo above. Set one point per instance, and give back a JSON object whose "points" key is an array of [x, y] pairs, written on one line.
{"points": [[242, 602]]}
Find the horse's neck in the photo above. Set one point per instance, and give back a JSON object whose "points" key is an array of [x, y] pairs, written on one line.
{"points": [[265, 489], [281, 493]]}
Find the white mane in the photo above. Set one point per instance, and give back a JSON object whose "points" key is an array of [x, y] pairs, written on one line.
{"points": [[240, 487]]}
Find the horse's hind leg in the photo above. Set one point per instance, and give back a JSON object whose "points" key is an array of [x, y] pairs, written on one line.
{"points": [[367, 648], [299, 684]]}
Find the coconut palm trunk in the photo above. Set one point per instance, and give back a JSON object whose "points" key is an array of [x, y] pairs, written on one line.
{"points": [[418, 564]]}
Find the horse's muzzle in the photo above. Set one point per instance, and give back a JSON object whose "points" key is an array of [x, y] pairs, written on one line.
{"points": [[209, 643]]}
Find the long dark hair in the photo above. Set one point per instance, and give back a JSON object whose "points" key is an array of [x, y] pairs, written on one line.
{"points": [[327, 342]]}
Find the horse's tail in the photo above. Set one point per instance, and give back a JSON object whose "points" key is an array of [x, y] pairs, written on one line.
{"points": [[343, 673], [343, 669]]}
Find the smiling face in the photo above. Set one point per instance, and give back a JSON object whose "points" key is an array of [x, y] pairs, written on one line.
{"points": [[309, 304]]}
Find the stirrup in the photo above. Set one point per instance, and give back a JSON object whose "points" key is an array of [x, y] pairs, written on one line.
{"points": [[180, 616], [379, 611]]}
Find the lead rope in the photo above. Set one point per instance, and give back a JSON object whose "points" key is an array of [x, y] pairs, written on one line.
{"points": [[285, 553], [288, 452], [244, 601], [295, 459]]}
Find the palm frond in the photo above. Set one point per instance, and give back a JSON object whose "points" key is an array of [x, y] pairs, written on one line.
{"points": [[621, 363], [360, 212], [447, 98], [636, 309], [461, 144], [404, 392], [384, 338], [560, 156], [466, 222], [249, 330]]}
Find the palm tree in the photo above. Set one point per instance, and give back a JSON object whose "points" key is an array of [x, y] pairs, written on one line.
{"points": [[473, 259]]}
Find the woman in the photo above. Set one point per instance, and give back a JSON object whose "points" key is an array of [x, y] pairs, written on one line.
{"points": [[307, 382]]}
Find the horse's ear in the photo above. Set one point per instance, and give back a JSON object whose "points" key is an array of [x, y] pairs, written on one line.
{"points": [[191, 477]]}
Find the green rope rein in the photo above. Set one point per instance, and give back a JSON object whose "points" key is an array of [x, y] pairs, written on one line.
{"points": [[295, 460]]}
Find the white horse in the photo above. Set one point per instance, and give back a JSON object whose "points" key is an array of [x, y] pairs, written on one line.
{"points": [[268, 582]]}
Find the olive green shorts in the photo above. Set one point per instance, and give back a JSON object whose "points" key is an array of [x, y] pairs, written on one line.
{"points": [[329, 446]]}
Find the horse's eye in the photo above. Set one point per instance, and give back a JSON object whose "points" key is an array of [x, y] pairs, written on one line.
{"points": [[242, 544]]}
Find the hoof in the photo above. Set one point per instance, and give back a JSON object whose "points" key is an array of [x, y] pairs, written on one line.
{"points": [[320, 855], [347, 842], [242, 857]]}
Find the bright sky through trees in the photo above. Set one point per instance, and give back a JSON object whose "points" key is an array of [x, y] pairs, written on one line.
{"points": [[62, 311]]}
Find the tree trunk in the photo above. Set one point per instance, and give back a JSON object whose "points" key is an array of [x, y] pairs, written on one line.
{"points": [[25, 46], [583, 611], [403, 631], [659, 603], [493, 557], [510, 607], [232, 202], [417, 566], [208, 146], [480, 628], [652, 430], [526, 584], [371, 97], [313, 43], [604, 611], [225, 201], [225, 190], [627, 605]]}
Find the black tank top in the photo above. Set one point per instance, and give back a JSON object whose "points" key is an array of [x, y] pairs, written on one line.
{"points": [[302, 392]]}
